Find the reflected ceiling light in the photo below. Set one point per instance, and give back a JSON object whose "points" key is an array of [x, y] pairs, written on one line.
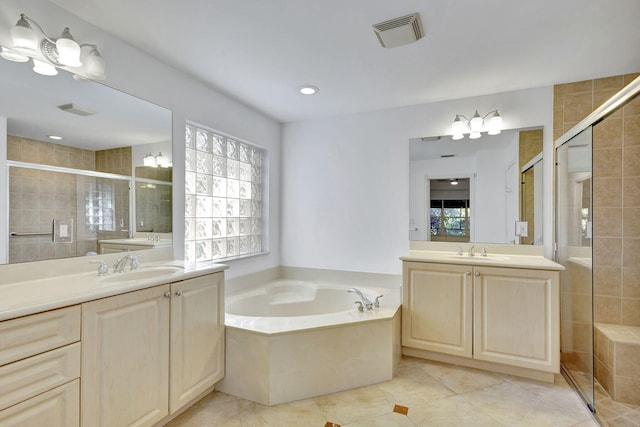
{"points": [[476, 125], [149, 160], [162, 161], [453, 181], [156, 161], [308, 90], [83, 60]]}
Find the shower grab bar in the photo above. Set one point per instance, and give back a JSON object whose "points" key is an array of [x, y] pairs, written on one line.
{"points": [[14, 234]]}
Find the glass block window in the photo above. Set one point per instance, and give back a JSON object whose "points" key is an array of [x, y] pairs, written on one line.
{"points": [[223, 196], [99, 205]]}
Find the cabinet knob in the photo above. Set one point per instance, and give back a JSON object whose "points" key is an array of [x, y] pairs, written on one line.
{"points": [[477, 273], [167, 294], [178, 293], [467, 273]]}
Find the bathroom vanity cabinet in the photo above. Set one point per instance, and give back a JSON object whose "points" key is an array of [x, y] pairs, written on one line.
{"points": [[40, 369], [114, 353], [497, 318], [148, 353]]}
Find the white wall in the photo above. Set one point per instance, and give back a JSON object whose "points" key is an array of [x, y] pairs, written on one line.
{"points": [[345, 180], [135, 72]]}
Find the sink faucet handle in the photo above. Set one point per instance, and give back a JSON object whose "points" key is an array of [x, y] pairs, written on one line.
{"points": [[360, 306], [135, 261], [377, 301], [460, 250], [103, 269], [484, 251]]}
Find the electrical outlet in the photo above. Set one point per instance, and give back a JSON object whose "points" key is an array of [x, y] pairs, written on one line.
{"points": [[522, 228]]}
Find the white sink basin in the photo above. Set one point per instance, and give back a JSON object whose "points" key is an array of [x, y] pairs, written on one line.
{"points": [[142, 273]]}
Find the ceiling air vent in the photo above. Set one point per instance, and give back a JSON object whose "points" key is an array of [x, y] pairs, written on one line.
{"points": [[74, 109], [399, 31]]}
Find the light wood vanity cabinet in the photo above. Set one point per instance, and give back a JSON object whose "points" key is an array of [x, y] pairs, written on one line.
{"points": [[492, 316], [148, 353], [39, 369]]}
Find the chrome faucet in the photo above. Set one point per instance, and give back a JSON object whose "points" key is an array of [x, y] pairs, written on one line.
{"points": [[118, 267], [471, 252], [365, 301]]}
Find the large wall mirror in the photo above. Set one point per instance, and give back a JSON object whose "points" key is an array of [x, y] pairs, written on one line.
{"points": [[104, 187], [487, 190]]}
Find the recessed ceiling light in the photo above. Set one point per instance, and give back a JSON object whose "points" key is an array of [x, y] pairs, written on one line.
{"points": [[56, 137], [308, 90]]}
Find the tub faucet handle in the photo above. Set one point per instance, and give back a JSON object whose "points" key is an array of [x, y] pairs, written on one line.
{"points": [[377, 301], [360, 306]]}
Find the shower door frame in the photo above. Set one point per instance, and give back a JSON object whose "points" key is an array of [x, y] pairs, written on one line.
{"points": [[599, 114]]}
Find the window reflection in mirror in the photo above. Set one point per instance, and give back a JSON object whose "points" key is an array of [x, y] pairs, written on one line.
{"points": [[449, 210]]}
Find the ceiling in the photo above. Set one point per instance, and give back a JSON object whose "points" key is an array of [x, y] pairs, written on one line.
{"points": [[261, 51]]}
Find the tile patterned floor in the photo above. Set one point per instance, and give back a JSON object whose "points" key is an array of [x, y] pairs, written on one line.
{"points": [[609, 412], [423, 393]]}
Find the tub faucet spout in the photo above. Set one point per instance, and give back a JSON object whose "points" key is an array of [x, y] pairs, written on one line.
{"points": [[366, 301]]}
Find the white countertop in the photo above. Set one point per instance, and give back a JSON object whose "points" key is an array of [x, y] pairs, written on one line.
{"points": [[139, 241], [492, 259], [24, 297]]}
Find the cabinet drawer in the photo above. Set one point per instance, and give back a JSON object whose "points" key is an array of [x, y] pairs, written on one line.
{"points": [[59, 407], [29, 377], [29, 335]]}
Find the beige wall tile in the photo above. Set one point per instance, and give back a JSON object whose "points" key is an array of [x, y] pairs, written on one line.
{"points": [[607, 252], [607, 163], [631, 312], [631, 282], [631, 131], [607, 310], [627, 390], [631, 192], [577, 106], [607, 192], [628, 360], [632, 108], [607, 281], [607, 222], [631, 161], [631, 221], [630, 248], [613, 83], [608, 134]]}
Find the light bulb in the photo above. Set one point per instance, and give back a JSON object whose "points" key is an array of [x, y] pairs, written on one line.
{"points": [[68, 49], [12, 55], [23, 36], [495, 124], [475, 135], [458, 127], [94, 65], [44, 68], [475, 124]]}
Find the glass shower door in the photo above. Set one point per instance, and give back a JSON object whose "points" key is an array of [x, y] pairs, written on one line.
{"points": [[574, 212]]}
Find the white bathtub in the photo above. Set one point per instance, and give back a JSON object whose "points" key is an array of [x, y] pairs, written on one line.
{"points": [[288, 340]]}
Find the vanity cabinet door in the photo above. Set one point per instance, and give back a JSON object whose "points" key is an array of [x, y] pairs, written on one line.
{"points": [[437, 308], [125, 359], [197, 337], [516, 317]]}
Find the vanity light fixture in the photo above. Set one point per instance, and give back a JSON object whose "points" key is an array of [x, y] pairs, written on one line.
{"points": [[150, 160], [309, 90], [476, 125], [49, 54], [56, 137], [156, 161]]}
